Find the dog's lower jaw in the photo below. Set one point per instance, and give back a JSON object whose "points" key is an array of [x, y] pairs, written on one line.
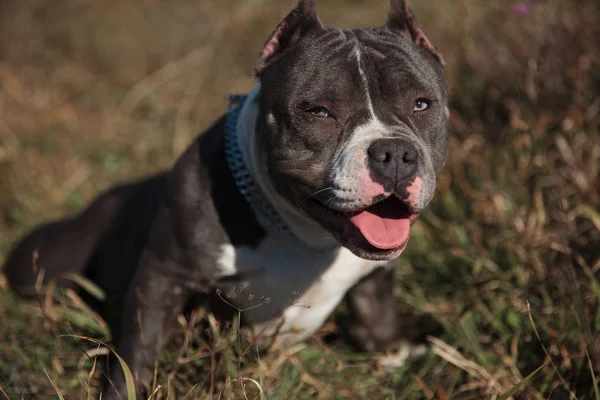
{"points": [[375, 256], [346, 233]]}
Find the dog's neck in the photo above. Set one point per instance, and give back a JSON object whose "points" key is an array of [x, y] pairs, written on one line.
{"points": [[304, 228]]}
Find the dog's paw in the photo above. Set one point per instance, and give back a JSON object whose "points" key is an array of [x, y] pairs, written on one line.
{"points": [[399, 353], [372, 340]]}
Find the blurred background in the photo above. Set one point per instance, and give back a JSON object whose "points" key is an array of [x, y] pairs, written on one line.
{"points": [[505, 260]]}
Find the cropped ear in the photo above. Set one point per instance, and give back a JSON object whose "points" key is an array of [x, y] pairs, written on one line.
{"points": [[299, 22], [401, 18]]}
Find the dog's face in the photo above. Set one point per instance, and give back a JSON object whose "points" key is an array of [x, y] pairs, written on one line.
{"points": [[355, 125]]}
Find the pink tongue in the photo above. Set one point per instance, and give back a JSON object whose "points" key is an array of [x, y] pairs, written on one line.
{"points": [[383, 233]]}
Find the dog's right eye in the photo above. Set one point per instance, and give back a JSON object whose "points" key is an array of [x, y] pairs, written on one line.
{"points": [[319, 112], [421, 105]]}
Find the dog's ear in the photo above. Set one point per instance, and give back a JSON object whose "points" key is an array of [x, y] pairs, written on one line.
{"points": [[401, 18], [299, 22]]}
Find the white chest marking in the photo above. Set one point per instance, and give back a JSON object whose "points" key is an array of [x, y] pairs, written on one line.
{"points": [[289, 291]]}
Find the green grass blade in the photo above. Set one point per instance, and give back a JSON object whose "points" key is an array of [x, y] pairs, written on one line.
{"points": [[261, 379], [126, 371], [594, 380], [58, 393], [589, 212], [519, 385], [86, 285]]}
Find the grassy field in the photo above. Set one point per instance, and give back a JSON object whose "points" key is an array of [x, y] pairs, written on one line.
{"points": [[506, 260]]}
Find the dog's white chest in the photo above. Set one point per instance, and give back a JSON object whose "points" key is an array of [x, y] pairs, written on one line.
{"points": [[290, 291]]}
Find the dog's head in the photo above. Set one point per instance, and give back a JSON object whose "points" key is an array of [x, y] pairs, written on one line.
{"points": [[354, 124]]}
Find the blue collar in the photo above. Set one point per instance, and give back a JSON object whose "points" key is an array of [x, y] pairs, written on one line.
{"points": [[265, 212]]}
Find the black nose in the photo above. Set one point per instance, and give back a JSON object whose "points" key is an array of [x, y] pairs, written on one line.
{"points": [[393, 161]]}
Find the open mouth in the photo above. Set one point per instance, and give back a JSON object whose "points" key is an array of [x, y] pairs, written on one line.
{"points": [[380, 228]]}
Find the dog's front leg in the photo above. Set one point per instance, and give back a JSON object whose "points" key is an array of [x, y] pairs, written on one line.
{"points": [[152, 305], [373, 310]]}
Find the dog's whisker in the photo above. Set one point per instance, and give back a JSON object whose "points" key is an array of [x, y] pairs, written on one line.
{"points": [[324, 205], [317, 192]]}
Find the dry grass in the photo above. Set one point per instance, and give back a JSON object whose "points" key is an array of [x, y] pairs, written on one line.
{"points": [[506, 259]]}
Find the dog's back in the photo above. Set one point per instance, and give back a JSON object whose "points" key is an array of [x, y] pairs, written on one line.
{"points": [[81, 243]]}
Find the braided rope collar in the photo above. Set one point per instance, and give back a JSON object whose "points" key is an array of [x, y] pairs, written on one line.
{"points": [[264, 211]]}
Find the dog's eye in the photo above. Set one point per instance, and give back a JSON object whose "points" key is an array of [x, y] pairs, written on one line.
{"points": [[319, 112], [421, 105]]}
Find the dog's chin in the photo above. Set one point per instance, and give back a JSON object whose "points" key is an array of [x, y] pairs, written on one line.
{"points": [[372, 253], [359, 230]]}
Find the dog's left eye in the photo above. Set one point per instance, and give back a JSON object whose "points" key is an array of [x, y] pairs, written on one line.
{"points": [[319, 112], [421, 105]]}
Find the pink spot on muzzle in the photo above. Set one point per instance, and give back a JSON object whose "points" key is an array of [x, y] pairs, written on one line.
{"points": [[369, 188], [414, 191]]}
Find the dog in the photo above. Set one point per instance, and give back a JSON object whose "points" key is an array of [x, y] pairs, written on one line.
{"points": [[301, 194]]}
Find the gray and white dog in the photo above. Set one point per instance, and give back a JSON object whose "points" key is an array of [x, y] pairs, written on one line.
{"points": [[301, 194]]}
